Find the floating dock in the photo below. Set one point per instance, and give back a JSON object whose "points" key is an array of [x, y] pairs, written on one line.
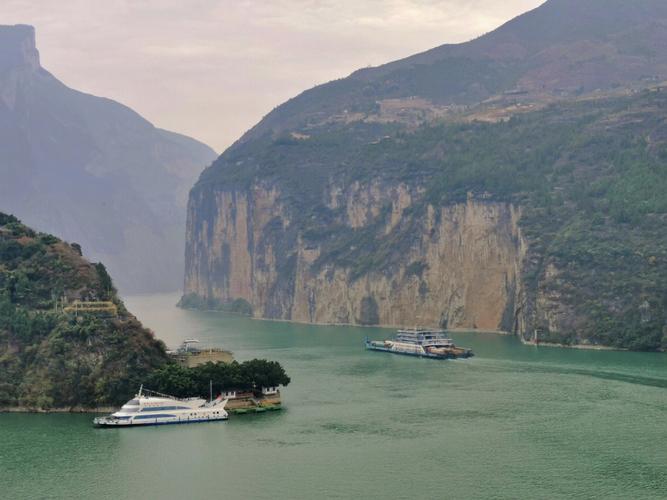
{"points": [[241, 403]]}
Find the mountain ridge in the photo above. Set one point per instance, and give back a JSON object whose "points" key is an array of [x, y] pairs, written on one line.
{"points": [[93, 170], [513, 55]]}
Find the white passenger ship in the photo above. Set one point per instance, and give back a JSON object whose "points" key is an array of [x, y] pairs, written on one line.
{"points": [[153, 408]]}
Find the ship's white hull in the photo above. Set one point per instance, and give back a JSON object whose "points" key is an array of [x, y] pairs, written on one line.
{"points": [[109, 422]]}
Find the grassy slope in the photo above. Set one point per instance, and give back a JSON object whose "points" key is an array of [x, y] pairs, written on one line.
{"points": [[49, 359]]}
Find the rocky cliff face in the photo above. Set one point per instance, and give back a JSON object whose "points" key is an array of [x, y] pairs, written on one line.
{"points": [[515, 182], [461, 270]]}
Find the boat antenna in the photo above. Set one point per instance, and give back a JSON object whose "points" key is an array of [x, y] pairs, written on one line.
{"points": [[141, 388], [210, 390]]}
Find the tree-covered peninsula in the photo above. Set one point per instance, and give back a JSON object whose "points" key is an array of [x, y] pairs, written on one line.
{"points": [[55, 354]]}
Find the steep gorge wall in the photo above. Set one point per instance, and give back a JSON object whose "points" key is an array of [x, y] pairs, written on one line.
{"points": [[461, 268]]}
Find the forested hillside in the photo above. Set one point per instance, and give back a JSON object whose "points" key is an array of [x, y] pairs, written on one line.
{"points": [[50, 358]]}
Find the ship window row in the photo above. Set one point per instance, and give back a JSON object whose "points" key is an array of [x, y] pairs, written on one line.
{"points": [[164, 408], [158, 415]]}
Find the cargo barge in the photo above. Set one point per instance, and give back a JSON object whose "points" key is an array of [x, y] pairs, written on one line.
{"points": [[421, 343]]}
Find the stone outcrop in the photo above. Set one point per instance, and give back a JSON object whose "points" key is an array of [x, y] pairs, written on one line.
{"points": [[18, 48], [462, 268]]}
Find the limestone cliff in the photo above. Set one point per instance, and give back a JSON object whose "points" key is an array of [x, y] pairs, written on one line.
{"points": [[514, 182], [462, 269]]}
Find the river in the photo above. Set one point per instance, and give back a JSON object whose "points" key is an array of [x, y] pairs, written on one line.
{"points": [[514, 422]]}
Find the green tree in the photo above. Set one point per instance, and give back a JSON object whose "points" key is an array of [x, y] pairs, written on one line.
{"points": [[106, 284]]}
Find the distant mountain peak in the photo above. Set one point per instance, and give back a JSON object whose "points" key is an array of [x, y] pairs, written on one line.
{"points": [[92, 170], [18, 48]]}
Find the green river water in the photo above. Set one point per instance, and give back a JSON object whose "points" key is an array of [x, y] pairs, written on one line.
{"points": [[513, 422]]}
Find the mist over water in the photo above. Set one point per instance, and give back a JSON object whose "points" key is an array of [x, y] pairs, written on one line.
{"points": [[513, 422]]}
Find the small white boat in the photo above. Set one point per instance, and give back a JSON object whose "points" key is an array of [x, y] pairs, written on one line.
{"points": [[152, 408]]}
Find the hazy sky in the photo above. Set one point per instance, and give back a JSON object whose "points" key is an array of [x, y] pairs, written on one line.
{"points": [[212, 68]]}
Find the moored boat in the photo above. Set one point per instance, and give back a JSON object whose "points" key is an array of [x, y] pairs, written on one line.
{"points": [[153, 408], [422, 343]]}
